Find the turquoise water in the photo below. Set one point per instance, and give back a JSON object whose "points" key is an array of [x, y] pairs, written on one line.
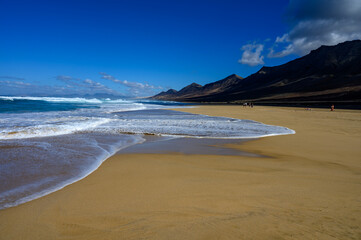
{"points": [[48, 104], [25, 105]]}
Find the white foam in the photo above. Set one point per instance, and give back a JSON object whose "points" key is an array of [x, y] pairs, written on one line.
{"points": [[167, 123], [55, 128], [113, 108], [109, 118], [53, 123], [54, 99], [117, 101], [40, 188]]}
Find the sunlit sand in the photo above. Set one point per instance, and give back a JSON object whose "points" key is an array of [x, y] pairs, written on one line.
{"points": [[305, 186]]}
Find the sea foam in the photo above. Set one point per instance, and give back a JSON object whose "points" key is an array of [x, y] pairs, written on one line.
{"points": [[47, 143], [32, 168]]}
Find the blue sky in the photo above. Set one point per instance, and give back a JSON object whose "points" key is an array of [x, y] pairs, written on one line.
{"points": [[139, 48]]}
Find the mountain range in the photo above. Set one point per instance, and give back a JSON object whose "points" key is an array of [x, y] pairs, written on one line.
{"points": [[327, 74]]}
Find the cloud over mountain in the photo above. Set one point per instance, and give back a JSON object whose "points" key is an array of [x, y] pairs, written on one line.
{"points": [[312, 23], [318, 22], [252, 54]]}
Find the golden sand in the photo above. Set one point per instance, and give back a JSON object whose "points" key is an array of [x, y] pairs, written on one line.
{"points": [[309, 187]]}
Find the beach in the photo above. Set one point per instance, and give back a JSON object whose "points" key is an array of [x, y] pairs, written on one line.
{"points": [[301, 186]]}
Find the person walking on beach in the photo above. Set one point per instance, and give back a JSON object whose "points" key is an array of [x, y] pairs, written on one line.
{"points": [[332, 107]]}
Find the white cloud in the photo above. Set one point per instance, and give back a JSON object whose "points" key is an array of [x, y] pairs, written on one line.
{"points": [[73, 86], [134, 88], [289, 49], [13, 83], [87, 86], [21, 88], [252, 54], [318, 22], [96, 86], [64, 78], [282, 39], [12, 78]]}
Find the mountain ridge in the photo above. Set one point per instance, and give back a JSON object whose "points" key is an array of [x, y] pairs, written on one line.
{"points": [[194, 89], [328, 73]]}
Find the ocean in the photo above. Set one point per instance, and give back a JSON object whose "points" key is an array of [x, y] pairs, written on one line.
{"points": [[47, 143]]}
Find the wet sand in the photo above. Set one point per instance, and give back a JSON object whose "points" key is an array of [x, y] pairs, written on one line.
{"points": [[185, 145], [308, 187]]}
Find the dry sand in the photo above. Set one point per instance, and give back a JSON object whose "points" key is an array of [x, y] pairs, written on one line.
{"points": [[308, 188]]}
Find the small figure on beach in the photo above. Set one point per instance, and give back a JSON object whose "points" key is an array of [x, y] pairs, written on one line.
{"points": [[244, 104], [332, 107], [251, 104]]}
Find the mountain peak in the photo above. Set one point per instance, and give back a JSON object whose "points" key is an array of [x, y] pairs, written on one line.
{"points": [[191, 88], [194, 85], [329, 73], [233, 76], [171, 91]]}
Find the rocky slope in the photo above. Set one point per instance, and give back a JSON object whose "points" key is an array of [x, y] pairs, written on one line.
{"points": [[329, 73], [196, 90]]}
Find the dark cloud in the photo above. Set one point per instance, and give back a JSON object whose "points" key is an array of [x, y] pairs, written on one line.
{"points": [[303, 10], [318, 22]]}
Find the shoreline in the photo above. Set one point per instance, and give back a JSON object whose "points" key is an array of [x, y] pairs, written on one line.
{"points": [[188, 146], [155, 144], [306, 187], [352, 105], [64, 182]]}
